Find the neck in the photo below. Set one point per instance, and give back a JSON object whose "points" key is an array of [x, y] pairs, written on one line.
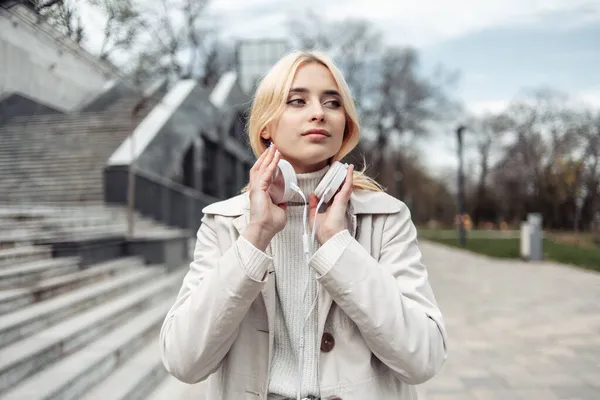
{"points": [[307, 169]]}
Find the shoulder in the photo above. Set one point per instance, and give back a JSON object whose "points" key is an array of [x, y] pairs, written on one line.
{"points": [[232, 207], [369, 202]]}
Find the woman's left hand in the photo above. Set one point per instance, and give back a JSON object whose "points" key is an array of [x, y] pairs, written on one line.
{"points": [[334, 219]]}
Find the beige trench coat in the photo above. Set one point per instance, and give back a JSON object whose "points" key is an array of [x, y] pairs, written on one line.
{"points": [[375, 302]]}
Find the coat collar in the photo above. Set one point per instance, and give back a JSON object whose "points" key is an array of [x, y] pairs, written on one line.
{"points": [[361, 202]]}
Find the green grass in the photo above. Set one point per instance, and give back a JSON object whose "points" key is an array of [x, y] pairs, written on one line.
{"points": [[499, 248], [584, 257]]}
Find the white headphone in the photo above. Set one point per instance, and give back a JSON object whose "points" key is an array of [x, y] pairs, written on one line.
{"points": [[283, 187], [285, 183]]}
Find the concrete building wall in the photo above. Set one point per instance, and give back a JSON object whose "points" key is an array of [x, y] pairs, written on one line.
{"points": [[38, 62]]}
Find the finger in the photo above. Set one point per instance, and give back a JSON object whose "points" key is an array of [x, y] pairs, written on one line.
{"points": [[273, 163], [259, 161], [267, 174], [346, 191], [267, 160], [255, 171]]}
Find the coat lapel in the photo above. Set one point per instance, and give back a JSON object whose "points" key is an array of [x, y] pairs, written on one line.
{"points": [[325, 299]]}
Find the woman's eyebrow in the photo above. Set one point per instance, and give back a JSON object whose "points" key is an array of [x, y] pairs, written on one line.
{"points": [[329, 92]]}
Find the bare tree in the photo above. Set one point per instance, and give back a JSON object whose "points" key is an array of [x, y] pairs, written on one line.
{"points": [[175, 39], [587, 129], [63, 15], [219, 57], [405, 102], [179, 31], [551, 164], [487, 133], [309, 31], [41, 5], [355, 44], [122, 26]]}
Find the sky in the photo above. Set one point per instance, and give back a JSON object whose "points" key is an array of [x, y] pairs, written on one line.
{"points": [[499, 47]]}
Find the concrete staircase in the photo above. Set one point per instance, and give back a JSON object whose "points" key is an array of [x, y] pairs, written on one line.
{"points": [[81, 333], [71, 328], [57, 159], [36, 223]]}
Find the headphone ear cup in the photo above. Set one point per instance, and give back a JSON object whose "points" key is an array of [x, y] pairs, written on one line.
{"points": [[281, 188], [333, 179]]}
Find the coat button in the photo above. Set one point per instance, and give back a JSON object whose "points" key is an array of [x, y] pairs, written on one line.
{"points": [[327, 342]]}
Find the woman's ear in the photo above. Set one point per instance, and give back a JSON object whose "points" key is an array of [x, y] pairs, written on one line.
{"points": [[265, 136]]}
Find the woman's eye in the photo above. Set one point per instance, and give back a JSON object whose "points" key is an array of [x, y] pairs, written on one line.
{"points": [[296, 101], [334, 104]]}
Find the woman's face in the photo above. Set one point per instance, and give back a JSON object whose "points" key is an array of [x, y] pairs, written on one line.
{"points": [[311, 128]]}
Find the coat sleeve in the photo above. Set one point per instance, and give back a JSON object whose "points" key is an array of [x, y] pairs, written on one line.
{"points": [[216, 294], [390, 299]]}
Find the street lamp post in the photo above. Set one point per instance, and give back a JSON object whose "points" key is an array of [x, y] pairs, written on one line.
{"points": [[462, 234]]}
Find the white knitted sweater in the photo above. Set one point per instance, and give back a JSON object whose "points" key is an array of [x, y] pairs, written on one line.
{"points": [[291, 277]]}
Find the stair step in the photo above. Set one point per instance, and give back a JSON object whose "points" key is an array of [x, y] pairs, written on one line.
{"points": [[135, 379], [30, 272], [33, 126], [22, 359], [65, 184], [26, 321], [13, 299], [51, 158], [172, 389], [71, 377], [22, 254], [22, 178], [44, 119], [8, 222], [43, 149], [41, 178], [92, 195]]}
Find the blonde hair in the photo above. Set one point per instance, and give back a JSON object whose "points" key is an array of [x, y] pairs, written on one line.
{"points": [[270, 99]]}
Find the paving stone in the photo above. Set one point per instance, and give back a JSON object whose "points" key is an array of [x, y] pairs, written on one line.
{"points": [[577, 392], [491, 383], [496, 394], [516, 330], [537, 394]]}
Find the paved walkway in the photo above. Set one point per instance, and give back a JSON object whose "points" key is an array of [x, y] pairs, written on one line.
{"points": [[527, 331]]}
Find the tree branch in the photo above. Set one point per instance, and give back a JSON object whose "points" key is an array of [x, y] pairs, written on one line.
{"points": [[47, 4]]}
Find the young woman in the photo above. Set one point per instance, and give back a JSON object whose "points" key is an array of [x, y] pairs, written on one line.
{"points": [[353, 319]]}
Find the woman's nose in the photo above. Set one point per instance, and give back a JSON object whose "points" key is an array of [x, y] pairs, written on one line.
{"points": [[317, 113]]}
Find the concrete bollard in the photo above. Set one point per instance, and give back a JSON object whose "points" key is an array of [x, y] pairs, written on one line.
{"points": [[525, 241], [536, 252]]}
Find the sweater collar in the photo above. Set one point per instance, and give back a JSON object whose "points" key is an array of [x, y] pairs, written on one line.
{"points": [[308, 182]]}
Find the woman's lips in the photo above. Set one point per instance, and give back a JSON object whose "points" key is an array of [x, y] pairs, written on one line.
{"points": [[316, 134]]}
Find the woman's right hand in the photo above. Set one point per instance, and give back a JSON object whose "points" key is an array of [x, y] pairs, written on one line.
{"points": [[266, 218]]}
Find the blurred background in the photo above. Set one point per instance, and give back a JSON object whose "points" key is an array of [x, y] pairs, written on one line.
{"points": [[120, 120]]}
